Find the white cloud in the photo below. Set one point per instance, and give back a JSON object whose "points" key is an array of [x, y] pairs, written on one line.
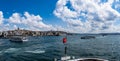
{"points": [[33, 20], [26, 21], [15, 18], [15, 27], [117, 6], [1, 17], [88, 15]]}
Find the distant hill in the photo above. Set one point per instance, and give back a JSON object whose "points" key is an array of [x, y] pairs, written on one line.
{"points": [[109, 33], [93, 33], [23, 32]]}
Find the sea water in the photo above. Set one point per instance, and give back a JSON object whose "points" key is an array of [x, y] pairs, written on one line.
{"points": [[46, 48]]}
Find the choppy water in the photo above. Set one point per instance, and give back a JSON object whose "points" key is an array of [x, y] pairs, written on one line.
{"points": [[49, 47]]}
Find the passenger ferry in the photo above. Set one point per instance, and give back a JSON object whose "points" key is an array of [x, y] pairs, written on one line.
{"points": [[18, 39]]}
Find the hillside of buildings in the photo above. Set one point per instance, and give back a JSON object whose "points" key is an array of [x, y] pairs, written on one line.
{"points": [[22, 32]]}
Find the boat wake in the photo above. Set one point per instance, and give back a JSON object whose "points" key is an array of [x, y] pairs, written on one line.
{"points": [[36, 51], [9, 50], [24, 39], [16, 50]]}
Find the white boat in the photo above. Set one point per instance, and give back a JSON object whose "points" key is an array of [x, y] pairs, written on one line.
{"points": [[18, 39], [69, 58]]}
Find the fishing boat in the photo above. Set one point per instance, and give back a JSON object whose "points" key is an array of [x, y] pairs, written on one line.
{"points": [[73, 58]]}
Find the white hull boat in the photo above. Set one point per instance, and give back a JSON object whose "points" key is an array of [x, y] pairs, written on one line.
{"points": [[68, 58], [18, 39]]}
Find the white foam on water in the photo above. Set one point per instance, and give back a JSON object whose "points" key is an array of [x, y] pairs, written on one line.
{"points": [[36, 51], [1, 52], [11, 50], [25, 40]]}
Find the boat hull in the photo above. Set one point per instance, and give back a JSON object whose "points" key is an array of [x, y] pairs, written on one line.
{"points": [[88, 59], [17, 40], [69, 58]]}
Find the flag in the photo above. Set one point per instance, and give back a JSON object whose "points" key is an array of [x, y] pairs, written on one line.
{"points": [[64, 40]]}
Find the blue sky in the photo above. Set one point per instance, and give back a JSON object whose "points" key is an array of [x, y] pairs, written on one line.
{"points": [[36, 7], [79, 16], [33, 6]]}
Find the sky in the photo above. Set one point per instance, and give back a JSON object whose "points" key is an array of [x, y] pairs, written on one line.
{"points": [[76, 16]]}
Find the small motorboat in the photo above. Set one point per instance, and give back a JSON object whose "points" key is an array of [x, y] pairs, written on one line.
{"points": [[88, 37]]}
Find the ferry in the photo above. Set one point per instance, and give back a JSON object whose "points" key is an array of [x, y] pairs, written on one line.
{"points": [[18, 39]]}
